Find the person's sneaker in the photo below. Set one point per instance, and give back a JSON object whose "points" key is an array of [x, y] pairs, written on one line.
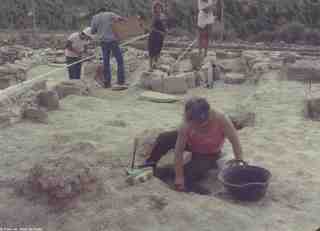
{"points": [[148, 164]]}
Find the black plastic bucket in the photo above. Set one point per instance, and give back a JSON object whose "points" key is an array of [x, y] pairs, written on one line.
{"points": [[245, 182]]}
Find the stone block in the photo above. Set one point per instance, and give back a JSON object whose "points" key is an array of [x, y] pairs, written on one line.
{"points": [[190, 79], [160, 82], [157, 85], [248, 58], [92, 72], [174, 85], [234, 78], [37, 85], [5, 119], [172, 53], [223, 54], [71, 87], [231, 65], [89, 69], [6, 69], [185, 66], [312, 107], [149, 80], [49, 99], [261, 67], [36, 114], [158, 97], [60, 59], [164, 68], [166, 59], [6, 82], [289, 57], [303, 70]]}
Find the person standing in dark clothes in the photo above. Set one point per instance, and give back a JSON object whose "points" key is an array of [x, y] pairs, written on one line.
{"points": [[156, 36]]}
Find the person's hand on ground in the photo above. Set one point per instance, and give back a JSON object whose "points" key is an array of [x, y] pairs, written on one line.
{"points": [[234, 162]]}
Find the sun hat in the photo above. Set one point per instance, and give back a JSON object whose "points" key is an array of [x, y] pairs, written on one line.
{"points": [[87, 32]]}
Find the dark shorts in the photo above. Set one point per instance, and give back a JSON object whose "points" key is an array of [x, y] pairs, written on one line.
{"points": [[75, 69], [155, 44], [196, 168], [204, 37]]}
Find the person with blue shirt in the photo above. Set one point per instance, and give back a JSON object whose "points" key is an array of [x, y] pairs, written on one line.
{"points": [[102, 24]]}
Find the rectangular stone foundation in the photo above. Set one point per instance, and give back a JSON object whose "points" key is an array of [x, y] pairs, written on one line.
{"points": [[312, 107], [14, 100], [303, 71]]}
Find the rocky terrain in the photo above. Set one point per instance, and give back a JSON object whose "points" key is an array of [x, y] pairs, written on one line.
{"points": [[65, 145]]}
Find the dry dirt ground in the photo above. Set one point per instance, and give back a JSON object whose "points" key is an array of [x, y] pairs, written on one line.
{"points": [[100, 130]]}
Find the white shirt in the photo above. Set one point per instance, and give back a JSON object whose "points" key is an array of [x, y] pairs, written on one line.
{"points": [[205, 18], [202, 4], [77, 44]]}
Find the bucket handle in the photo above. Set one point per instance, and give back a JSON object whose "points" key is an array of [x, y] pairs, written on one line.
{"points": [[235, 162]]}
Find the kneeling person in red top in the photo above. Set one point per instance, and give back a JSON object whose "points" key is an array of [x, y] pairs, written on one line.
{"points": [[203, 133]]}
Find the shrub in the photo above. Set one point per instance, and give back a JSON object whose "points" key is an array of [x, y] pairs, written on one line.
{"points": [[292, 32], [267, 36], [312, 36]]}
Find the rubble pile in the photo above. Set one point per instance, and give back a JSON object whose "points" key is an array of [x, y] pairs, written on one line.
{"points": [[9, 54], [11, 74], [61, 178]]}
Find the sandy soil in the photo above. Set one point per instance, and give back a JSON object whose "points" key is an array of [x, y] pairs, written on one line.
{"points": [[100, 130]]}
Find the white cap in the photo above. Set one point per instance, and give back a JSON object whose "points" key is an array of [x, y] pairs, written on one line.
{"points": [[203, 4], [87, 32]]}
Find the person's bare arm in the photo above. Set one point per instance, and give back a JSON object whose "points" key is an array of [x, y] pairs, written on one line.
{"points": [[232, 136], [71, 48], [179, 148], [118, 18]]}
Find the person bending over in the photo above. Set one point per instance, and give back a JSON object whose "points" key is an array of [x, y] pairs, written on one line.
{"points": [[76, 46]]}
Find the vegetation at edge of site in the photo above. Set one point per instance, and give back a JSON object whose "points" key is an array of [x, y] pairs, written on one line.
{"points": [[292, 21]]}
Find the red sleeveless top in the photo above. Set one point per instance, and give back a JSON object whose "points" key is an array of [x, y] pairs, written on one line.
{"points": [[208, 143]]}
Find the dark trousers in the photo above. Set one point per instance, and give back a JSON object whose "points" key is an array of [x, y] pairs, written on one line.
{"points": [[75, 69], [107, 48], [195, 169]]}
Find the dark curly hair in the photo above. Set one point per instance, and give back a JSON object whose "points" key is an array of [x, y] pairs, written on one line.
{"points": [[197, 109]]}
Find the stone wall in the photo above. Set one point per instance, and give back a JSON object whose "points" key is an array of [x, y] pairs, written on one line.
{"points": [[303, 70], [15, 100], [12, 74]]}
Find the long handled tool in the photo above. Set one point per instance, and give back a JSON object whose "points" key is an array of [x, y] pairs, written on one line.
{"points": [[135, 144], [136, 175], [186, 51]]}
